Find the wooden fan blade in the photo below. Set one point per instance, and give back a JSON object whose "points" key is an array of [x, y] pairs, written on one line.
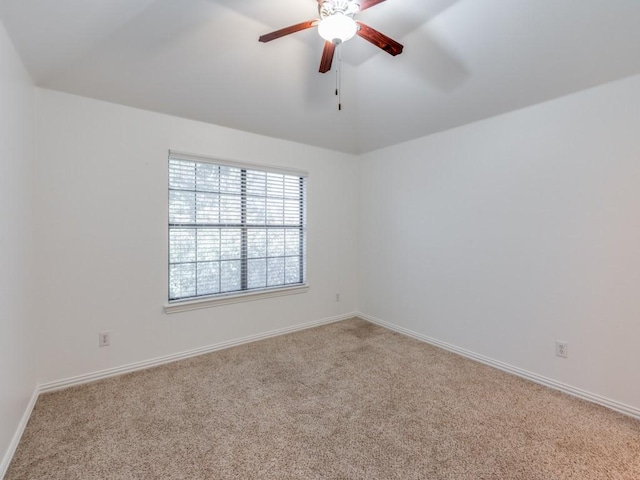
{"points": [[327, 56], [380, 40], [364, 4], [288, 30]]}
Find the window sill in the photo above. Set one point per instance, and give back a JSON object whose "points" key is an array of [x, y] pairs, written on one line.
{"points": [[185, 305]]}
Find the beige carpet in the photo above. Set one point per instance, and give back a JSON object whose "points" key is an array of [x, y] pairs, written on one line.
{"points": [[348, 400]]}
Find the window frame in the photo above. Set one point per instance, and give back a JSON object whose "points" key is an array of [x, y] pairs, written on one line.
{"points": [[245, 294]]}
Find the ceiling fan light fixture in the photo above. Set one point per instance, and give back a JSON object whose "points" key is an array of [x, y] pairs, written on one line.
{"points": [[337, 28]]}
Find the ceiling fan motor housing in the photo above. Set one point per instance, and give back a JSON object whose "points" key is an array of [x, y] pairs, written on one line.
{"points": [[348, 8]]}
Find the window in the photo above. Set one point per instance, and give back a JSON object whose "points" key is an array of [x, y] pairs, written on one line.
{"points": [[233, 228]]}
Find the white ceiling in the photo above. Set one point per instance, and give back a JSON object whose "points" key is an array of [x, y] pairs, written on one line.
{"points": [[464, 60]]}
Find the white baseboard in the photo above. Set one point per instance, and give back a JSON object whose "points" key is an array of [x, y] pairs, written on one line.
{"points": [[534, 377], [132, 367], [11, 450]]}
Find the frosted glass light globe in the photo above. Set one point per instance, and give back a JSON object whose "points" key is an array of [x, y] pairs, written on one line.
{"points": [[337, 27]]}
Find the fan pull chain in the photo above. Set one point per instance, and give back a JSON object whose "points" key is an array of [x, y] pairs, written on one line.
{"points": [[339, 77]]}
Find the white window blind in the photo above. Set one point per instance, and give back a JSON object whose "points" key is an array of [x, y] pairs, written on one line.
{"points": [[233, 229]]}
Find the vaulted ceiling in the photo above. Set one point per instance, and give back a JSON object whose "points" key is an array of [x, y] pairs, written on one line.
{"points": [[463, 60]]}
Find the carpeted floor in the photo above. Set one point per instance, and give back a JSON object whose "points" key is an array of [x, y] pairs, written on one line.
{"points": [[348, 400]]}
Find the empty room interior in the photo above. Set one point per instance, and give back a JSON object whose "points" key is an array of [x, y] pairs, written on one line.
{"points": [[320, 239]]}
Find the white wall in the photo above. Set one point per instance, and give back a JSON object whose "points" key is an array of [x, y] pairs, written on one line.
{"points": [[17, 346], [102, 235], [502, 236]]}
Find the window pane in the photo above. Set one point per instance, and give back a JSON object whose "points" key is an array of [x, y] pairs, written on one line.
{"points": [[275, 271], [208, 278], [275, 213], [256, 242], [275, 242], [181, 175], [182, 280], [231, 244], [291, 212], [256, 210], [292, 242], [182, 207], [230, 209], [230, 180], [230, 276], [292, 269], [208, 244], [292, 187], [257, 273], [207, 177], [256, 183], [275, 185], [182, 243], [207, 208]]}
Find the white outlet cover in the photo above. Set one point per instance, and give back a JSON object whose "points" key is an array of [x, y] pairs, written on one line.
{"points": [[562, 349], [104, 339]]}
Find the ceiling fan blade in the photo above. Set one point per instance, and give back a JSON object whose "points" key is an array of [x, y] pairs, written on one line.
{"points": [[364, 4], [327, 56], [288, 30], [380, 40]]}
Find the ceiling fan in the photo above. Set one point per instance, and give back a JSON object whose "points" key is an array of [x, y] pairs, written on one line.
{"points": [[337, 25]]}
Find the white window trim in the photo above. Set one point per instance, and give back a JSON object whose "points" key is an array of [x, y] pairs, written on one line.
{"points": [[222, 299]]}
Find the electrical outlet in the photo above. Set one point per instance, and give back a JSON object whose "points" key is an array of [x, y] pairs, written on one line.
{"points": [[337, 297], [562, 349], [104, 339]]}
